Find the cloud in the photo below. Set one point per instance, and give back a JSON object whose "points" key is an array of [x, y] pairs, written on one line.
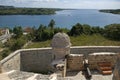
{"points": [[51, 0], [45, 0], [102, 4], [35, 0], [84, 4]]}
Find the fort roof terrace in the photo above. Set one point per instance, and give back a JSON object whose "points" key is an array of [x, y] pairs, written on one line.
{"points": [[73, 62], [39, 60]]}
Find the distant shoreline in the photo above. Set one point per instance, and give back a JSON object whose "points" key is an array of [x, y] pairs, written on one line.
{"points": [[10, 10], [64, 18], [113, 11]]}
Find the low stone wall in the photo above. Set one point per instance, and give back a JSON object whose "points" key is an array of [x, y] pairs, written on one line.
{"points": [[116, 73], [75, 62], [39, 59], [96, 58], [11, 62], [93, 49], [34, 60]]}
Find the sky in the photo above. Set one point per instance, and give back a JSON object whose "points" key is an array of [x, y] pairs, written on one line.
{"points": [[74, 4]]}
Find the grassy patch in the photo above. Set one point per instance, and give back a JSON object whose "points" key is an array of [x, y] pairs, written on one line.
{"points": [[93, 40], [39, 44], [4, 53], [83, 40]]}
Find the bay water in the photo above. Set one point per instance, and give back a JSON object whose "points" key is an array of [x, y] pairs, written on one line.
{"points": [[64, 18]]}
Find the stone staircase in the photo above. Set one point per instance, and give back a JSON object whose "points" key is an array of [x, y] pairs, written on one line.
{"points": [[105, 68]]}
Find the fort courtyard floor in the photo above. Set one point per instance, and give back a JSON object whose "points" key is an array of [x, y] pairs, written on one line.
{"points": [[95, 76]]}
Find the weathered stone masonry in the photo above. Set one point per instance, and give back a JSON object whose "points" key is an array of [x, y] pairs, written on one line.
{"points": [[35, 60], [75, 62], [40, 59], [12, 62], [116, 73], [95, 58]]}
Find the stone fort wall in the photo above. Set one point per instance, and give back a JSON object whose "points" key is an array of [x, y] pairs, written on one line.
{"points": [[11, 62], [33, 60], [93, 49], [39, 59], [75, 62], [116, 73]]}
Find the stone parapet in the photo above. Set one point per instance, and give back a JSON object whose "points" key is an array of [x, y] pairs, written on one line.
{"points": [[37, 59], [96, 58], [93, 49], [116, 73], [75, 62], [11, 62], [40, 58]]}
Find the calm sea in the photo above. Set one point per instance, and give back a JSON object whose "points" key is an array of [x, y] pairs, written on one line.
{"points": [[65, 18]]}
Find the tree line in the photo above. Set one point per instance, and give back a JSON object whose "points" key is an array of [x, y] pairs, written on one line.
{"points": [[113, 11], [43, 33], [111, 31], [10, 10]]}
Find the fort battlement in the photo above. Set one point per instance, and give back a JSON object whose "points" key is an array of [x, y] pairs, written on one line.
{"points": [[39, 59], [61, 59]]}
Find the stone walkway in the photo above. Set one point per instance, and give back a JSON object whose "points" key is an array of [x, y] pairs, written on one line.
{"points": [[4, 76], [95, 76], [20, 75]]}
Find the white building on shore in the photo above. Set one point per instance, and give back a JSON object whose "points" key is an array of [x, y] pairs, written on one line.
{"points": [[5, 35]]}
